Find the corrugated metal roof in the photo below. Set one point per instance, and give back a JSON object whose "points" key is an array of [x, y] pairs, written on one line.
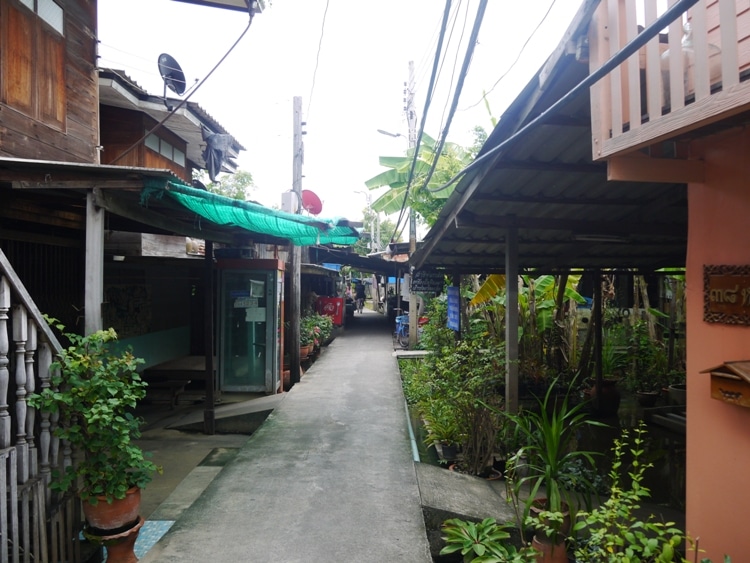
{"points": [[546, 184]]}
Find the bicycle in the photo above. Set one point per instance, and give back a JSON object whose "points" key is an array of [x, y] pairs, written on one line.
{"points": [[402, 329]]}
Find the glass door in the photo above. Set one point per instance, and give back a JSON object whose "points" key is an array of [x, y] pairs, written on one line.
{"points": [[247, 340]]}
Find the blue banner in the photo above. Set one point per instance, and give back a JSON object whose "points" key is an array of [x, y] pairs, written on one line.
{"points": [[454, 308]]}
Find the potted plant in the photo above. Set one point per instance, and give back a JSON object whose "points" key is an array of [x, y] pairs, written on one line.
{"points": [[93, 390], [649, 365], [548, 435], [306, 337], [468, 378], [442, 427]]}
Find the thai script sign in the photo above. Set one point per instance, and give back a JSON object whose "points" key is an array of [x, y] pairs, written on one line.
{"points": [[427, 282], [726, 294]]}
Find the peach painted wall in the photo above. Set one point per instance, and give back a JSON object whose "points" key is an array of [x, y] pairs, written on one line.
{"points": [[718, 435]]}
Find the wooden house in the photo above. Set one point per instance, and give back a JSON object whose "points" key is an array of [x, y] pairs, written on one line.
{"points": [[70, 186]]}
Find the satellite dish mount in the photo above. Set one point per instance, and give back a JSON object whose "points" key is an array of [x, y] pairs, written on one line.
{"points": [[173, 77]]}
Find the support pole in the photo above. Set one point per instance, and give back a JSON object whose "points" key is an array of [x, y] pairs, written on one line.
{"points": [[511, 320], [295, 306], [209, 412], [597, 314], [411, 118], [94, 275]]}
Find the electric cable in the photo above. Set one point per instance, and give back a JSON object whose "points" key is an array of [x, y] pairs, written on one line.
{"points": [[462, 77], [453, 72], [428, 99], [518, 57], [317, 56]]}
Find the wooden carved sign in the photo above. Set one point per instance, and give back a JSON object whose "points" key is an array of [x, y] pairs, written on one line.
{"points": [[726, 294]]}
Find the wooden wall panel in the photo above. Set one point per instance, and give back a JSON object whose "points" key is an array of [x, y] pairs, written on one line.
{"points": [[61, 121]]}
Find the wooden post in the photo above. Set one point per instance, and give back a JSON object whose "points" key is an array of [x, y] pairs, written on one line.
{"points": [[511, 320], [597, 318], [94, 275], [209, 411]]}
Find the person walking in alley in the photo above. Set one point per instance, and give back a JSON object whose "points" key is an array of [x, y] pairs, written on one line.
{"points": [[359, 294]]}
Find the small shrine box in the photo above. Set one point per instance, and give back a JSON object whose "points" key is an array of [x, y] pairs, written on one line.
{"points": [[730, 382]]}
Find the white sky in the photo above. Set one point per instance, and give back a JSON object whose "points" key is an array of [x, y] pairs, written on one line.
{"points": [[365, 48]]}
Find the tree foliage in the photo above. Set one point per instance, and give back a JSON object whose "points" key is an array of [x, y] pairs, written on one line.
{"points": [[424, 199], [239, 185], [370, 225]]}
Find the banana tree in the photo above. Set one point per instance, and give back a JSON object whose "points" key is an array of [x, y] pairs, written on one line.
{"points": [[422, 199], [540, 330]]}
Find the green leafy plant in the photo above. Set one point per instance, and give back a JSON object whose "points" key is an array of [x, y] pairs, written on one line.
{"points": [[649, 360], [441, 423], [483, 542], [94, 390], [467, 379], [612, 531], [306, 331], [547, 454]]}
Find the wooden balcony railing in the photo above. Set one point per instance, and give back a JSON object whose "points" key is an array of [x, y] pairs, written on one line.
{"points": [[689, 76], [35, 524]]}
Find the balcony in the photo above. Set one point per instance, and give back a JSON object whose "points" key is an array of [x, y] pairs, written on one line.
{"points": [[691, 75]]}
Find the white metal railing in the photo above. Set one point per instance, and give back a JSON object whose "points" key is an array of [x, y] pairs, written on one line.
{"points": [[687, 77], [35, 525]]}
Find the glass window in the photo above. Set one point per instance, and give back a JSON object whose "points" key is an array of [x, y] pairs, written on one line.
{"points": [[51, 13], [179, 157], [166, 149], [28, 3], [152, 142]]}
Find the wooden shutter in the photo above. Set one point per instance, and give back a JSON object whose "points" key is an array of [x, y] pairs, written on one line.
{"points": [[17, 54], [51, 77]]}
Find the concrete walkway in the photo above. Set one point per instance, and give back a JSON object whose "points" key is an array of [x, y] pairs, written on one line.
{"points": [[328, 477]]}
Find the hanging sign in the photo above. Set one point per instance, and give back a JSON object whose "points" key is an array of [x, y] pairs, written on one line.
{"points": [[427, 282], [454, 308]]}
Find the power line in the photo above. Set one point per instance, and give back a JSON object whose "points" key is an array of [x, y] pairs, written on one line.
{"points": [[518, 57], [428, 99], [461, 78], [453, 73], [317, 56]]}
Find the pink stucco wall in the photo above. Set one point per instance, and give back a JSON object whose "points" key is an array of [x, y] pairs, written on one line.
{"points": [[718, 434]]}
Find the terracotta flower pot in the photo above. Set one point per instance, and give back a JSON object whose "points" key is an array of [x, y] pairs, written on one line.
{"points": [[116, 516], [550, 552]]}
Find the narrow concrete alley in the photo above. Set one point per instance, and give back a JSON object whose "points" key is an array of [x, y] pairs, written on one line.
{"points": [[329, 476]]}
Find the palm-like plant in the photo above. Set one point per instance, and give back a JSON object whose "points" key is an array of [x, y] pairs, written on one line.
{"points": [[426, 202], [548, 436]]}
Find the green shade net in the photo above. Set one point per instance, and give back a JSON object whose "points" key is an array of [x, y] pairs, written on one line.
{"points": [[298, 229]]}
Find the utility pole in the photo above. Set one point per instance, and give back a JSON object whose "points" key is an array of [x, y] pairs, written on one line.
{"points": [[295, 307], [411, 120]]}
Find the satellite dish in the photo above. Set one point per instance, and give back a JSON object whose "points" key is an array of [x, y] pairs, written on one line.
{"points": [[172, 74], [311, 202]]}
